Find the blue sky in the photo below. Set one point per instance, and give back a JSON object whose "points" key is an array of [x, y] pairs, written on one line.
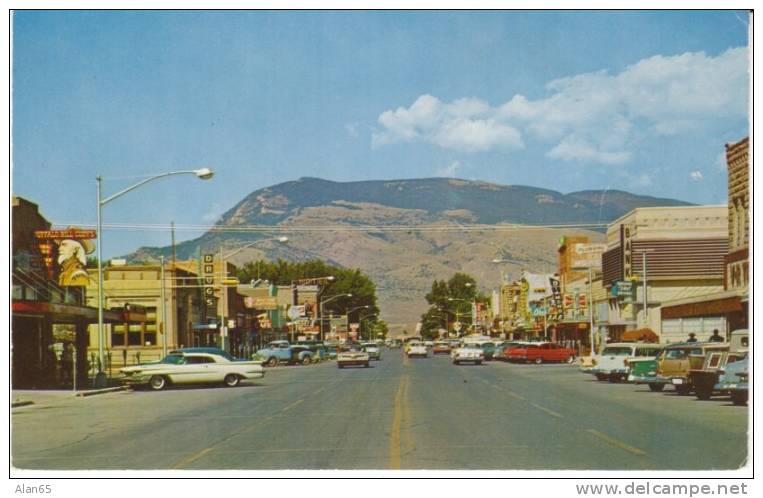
{"points": [[639, 101]]}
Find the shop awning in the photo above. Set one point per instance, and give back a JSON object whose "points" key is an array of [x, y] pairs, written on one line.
{"points": [[64, 312], [710, 305], [639, 335]]}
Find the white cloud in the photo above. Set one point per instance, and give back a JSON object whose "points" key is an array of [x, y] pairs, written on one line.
{"points": [[464, 124], [696, 176], [574, 148], [352, 129], [450, 170], [593, 117]]}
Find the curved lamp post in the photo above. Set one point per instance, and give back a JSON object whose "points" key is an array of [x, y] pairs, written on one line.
{"points": [[203, 174], [328, 300], [350, 311], [360, 325]]}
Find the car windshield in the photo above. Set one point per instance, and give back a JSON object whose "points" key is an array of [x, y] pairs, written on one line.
{"points": [[173, 359], [370, 345], [620, 351]]}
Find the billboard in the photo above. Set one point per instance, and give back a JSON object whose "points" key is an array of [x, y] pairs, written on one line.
{"points": [[584, 256]]}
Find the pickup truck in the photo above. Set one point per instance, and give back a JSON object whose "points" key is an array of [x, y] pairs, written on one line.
{"points": [[282, 352]]}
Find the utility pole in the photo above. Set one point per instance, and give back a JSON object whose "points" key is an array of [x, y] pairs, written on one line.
{"points": [[174, 253], [646, 305], [165, 335], [590, 307]]}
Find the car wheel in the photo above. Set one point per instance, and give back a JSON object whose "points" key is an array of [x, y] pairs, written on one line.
{"points": [[273, 362], [478, 362], [306, 360], [601, 377], [340, 365], [683, 389], [366, 365], [614, 379], [232, 380], [571, 359], [655, 387], [455, 362], [538, 361], [739, 398], [157, 382], [703, 392]]}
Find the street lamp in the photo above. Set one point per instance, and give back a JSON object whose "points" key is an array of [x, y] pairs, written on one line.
{"points": [[223, 279], [474, 307], [202, 173], [350, 311], [360, 325], [320, 308]]}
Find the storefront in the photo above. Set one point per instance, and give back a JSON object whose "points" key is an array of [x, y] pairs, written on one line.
{"points": [[725, 312]]}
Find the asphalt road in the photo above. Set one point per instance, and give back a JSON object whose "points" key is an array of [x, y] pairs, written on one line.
{"points": [[399, 414]]}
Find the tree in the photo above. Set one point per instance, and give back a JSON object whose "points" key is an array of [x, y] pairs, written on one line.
{"points": [[347, 281], [449, 301]]}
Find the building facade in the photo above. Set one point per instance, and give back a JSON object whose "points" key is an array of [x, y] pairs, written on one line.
{"points": [[657, 254]]}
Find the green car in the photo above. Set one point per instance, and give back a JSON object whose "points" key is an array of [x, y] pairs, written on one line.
{"points": [[644, 371]]}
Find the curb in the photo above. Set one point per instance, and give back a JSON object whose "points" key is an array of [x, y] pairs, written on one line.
{"points": [[82, 394], [17, 404]]}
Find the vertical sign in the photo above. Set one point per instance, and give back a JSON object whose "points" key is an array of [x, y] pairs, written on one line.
{"points": [[625, 241], [208, 270], [556, 296]]}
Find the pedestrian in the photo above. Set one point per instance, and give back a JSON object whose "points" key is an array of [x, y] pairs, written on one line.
{"points": [[692, 337], [716, 337], [67, 363]]}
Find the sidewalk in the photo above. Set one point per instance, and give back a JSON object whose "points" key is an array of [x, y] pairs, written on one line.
{"points": [[26, 397]]}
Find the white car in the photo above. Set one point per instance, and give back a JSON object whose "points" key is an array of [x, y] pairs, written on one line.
{"points": [[612, 363], [469, 353], [429, 344], [373, 350], [192, 368], [352, 356], [417, 349]]}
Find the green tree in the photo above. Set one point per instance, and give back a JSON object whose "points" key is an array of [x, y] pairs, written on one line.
{"points": [[449, 301], [347, 281]]}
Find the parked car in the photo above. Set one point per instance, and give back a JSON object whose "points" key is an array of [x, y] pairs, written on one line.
{"points": [[209, 350], [472, 353], [540, 352], [417, 349], [353, 355], [429, 344], [282, 352], [441, 347], [488, 348], [331, 352], [191, 368], [613, 362], [373, 350], [676, 361], [734, 379], [705, 377]]}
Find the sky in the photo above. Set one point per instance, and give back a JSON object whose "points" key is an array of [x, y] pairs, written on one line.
{"points": [[637, 101]]}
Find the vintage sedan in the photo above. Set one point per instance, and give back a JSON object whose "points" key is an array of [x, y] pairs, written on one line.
{"points": [[469, 353], [613, 362], [734, 379], [353, 355], [441, 347], [675, 362], [541, 352], [417, 350], [191, 368], [373, 350]]}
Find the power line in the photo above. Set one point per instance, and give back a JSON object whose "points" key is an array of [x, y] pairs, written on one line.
{"points": [[334, 228]]}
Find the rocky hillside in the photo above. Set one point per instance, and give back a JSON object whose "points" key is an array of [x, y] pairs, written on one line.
{"points": [[406, 233]]}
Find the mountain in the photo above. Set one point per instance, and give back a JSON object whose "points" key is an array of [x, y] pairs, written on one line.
{"points": [[406, 233]]}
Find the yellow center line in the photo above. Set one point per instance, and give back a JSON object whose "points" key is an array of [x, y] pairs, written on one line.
{"points": [[395, 430], [298, 402], [192, 458], [546, 410], [616, 442]]}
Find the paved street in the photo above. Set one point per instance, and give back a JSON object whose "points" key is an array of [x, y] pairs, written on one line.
{"points": [[399, 414]]}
